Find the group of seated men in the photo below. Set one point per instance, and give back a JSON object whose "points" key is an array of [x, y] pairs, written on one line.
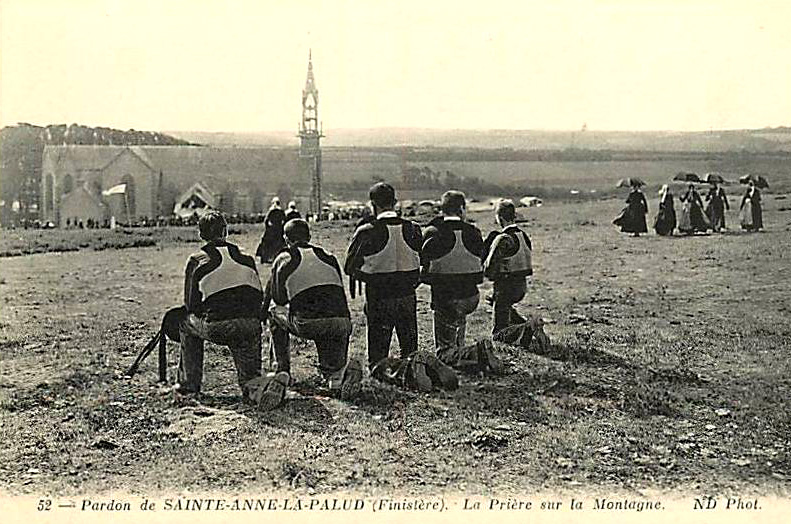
{"points": [[305, 297]]}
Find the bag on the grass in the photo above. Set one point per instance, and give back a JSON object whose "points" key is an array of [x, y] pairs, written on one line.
{"points": [[479, 357], [528, 334], [406, 372], [168, 330]]}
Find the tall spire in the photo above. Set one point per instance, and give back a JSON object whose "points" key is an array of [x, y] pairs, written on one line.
{"points": [[310, 82]]}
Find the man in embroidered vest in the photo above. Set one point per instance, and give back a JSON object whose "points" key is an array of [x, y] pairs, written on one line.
{"points": [[310, 302], [222, 295], [508, 264], [385, 254]]}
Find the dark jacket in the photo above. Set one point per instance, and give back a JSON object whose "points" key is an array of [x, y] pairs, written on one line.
{"points": [[308, 279], [451, 257], [510, 255], [385, 254], [222, 283]]}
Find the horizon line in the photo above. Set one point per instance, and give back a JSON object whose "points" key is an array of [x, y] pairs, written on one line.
{"points": [[422, 128]]}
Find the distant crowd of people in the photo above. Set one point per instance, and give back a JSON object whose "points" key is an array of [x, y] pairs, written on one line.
{"points": [[694, 216], [174, 220]]}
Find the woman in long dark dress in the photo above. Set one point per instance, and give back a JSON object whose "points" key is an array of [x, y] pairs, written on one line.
{"points": [[665, 221], [632, 218], [272, 241], [717, 204], [751, 213], [693, 218]]}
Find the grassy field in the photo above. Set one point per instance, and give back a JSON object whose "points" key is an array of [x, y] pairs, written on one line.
{"points": [[669, 370], [17, 242]]}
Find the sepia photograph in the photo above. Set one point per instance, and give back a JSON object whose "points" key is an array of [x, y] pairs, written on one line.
{"points": [[390, 261]]}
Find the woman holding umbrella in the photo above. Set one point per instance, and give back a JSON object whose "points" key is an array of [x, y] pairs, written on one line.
{"points": [[717, 202], [632, 218], [665, 221], [692, 217], [750, 209]]}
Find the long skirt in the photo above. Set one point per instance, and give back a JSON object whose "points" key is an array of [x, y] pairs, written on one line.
{"points": [[685, 221], [758, 216], [271, 244], [715, 212], [692, 219], [631, 220], [746, 216], [665, 222]]}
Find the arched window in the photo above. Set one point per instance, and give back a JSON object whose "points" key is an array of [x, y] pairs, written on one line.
{"points": [[129, 197], [67, 185], [49, 194]]}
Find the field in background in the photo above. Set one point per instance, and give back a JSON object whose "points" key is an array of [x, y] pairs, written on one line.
{"points": [[669, 370], [554, 179]]}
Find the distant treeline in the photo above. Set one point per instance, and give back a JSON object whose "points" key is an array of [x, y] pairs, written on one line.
{"points": [[22, 147], [457, 154], [425, 178]]}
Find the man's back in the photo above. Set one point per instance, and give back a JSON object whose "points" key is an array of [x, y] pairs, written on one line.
{"points": [[385, 254], [510, 255], [309, 279], [221, 282], [451, 255]]}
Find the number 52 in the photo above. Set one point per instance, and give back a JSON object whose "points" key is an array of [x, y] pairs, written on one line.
{"points": [[44, 505]]}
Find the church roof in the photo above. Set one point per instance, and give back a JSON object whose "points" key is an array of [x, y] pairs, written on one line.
{"points": [[200, 190], [184, 165]]}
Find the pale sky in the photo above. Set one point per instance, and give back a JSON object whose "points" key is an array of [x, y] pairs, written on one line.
{"points": [[209, 65]]}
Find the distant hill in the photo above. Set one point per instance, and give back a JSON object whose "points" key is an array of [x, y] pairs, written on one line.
{"points": [[22, 145], [756, 140]]}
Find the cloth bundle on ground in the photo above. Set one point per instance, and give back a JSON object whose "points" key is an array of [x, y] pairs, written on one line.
{"points": [[526, 334], [168, 330], [474, 358], [421, 371], [267, 392]]}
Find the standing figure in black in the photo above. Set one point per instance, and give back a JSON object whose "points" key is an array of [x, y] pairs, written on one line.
{"points": [[272, 242], [665, 221], [385, 254], [632, 218], [292, 212], [693, 219], [717, 204], [751, 213]]}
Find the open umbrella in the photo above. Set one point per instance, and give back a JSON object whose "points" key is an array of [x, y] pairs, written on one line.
{"points": [[759, 181], [684, 176], [713, 178], [629, 182]]}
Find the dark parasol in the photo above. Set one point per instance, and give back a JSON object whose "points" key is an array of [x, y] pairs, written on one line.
{"points": [[685, 176], [630, 182], [759, 181]]}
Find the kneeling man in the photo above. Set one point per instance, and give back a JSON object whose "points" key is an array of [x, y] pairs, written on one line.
{"points": [[222, 296], [310, 302]]}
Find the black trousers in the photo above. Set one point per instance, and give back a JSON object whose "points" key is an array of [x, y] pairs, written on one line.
{"points": [[507, 292], [386, 314]]}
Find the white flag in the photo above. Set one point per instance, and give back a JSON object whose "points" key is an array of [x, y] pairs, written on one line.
{"points": [[115, 190]]}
